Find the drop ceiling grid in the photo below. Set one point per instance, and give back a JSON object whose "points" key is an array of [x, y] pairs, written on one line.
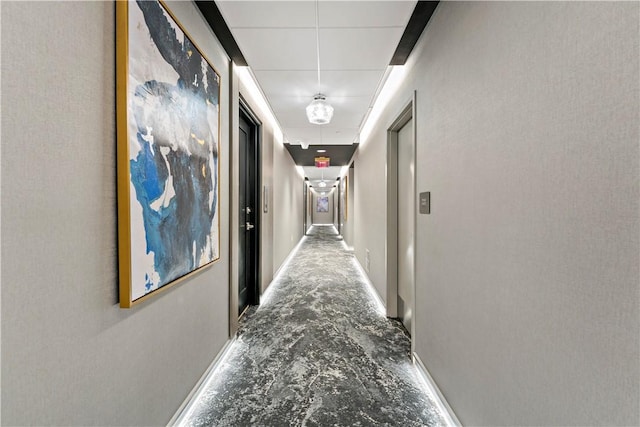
{"points": [[301, 14], [341, 49], [358, 48], [377, 13], [268, 14], [357, 40], [279, 49]]}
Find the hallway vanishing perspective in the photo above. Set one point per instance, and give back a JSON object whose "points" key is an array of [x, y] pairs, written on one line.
{"points": [[317, 352]]}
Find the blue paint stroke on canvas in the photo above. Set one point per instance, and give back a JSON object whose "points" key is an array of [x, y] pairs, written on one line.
{"points": [[174, 173]]}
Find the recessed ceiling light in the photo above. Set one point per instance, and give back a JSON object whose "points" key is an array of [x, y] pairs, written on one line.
{"points": [[322, 151]]}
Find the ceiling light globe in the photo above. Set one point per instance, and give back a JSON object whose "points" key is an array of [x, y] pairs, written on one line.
{"points": [[319, 112]]}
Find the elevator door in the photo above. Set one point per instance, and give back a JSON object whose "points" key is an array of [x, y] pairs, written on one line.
{"points": [[406, 167]]}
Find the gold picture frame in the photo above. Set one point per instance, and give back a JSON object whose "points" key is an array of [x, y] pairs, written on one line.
{"points": [[168, 146]]}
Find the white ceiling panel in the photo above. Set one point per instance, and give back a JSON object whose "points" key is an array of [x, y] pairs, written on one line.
{"points": [[268, 14], [330, 174], [343, 83], [297, 84], [320, 135], [298, 120], [290, 104], [278, 49], [305, 83], [358, 48], [338, 136], [327, 191], [291, 113], [354, 106], [307, 134], [295, 119], [350, 14]]}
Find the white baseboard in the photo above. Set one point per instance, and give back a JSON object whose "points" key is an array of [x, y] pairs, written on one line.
{"points": [[452, 419], [178, 417]]}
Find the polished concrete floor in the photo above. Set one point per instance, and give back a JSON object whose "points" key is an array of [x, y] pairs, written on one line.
{"points": [[317, 352]]}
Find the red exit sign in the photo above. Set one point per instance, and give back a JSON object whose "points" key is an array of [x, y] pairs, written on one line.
{"points": [[322, 162]]}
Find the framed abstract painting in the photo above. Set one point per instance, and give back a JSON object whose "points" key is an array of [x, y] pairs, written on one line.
{"points": [[168, 131], [322, 204]]}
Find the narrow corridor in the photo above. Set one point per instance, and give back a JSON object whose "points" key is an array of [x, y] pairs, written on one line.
{"points": [[317, 352]]}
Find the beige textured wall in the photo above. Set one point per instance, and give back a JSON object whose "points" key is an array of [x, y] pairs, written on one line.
{"points": [[527, 269], [348, 224], [370, 205], [286, 203], [70, 355], [268, 142]]}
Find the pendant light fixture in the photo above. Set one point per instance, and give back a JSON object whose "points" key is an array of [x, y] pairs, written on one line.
{"points": [[322, 183], [319, 111]]}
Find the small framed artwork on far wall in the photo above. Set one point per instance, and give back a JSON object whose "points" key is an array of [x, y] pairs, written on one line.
{"points": [[323, 204]]}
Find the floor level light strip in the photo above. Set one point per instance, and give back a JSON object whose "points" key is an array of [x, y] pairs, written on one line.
{"points": [[370, 288], [185, 412], [267, 293], [433, 390]]}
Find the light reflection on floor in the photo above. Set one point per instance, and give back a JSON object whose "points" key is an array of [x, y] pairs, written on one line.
{"points": [[317, 352]]}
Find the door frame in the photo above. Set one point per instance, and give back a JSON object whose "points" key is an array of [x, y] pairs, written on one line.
{"points": [[240, 106], [255, 123], [407, 113]]}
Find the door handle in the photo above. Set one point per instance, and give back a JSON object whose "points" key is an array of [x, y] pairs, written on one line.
{"points": [[248, 210], [249, 226]]}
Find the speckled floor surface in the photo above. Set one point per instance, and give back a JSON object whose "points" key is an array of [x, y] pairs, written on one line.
{"points": [[317, 352]]}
